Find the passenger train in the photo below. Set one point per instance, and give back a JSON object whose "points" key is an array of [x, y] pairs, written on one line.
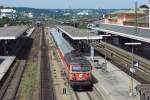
{"points": [[79, 69]]}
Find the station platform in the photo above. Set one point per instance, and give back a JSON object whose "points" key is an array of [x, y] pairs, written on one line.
{"points": [[113, 84], [5, 63]]}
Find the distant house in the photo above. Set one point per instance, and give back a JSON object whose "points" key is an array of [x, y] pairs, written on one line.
{"points": [[30, 15], [118, 17], [8, 12], [67, 14], [82, 13]]}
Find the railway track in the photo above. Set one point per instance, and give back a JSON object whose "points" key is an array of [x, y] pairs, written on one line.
{"points": [[144, 65], [11, 84], [83, 95], [123, 60], [93, 94], [46, 91], [88, 95]]}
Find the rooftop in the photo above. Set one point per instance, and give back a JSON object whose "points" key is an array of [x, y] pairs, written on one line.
{"points": [[114, 17], [78, 34], [12, 32], [141, 34], [129, 11]]}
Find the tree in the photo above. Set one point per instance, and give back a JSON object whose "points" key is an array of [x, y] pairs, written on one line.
{"points": [[1, 7], [144, 6], [4, 20]]}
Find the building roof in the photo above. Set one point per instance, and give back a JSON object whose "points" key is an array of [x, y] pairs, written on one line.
{"points": [[78, 34], [129, 11], [12, 32], [5, 63], [143, 34], [114, 17]]}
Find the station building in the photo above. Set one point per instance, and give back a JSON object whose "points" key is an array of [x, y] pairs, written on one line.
{"points": [[122, 17]]}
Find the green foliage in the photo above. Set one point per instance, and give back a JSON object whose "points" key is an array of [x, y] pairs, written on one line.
{"points": [[30, 81], [83, 26], [1, 7], [147, 77], [4, 20], [18, 21]]}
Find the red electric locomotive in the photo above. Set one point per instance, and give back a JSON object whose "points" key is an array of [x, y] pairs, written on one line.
{"points": [[79, 69]]}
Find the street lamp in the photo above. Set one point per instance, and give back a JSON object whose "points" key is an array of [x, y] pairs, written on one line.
{"points": [[132, 70], [149, 13], [105, 62]]}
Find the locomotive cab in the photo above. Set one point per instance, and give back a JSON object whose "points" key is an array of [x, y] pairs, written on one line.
{"points": [[80, 75]]}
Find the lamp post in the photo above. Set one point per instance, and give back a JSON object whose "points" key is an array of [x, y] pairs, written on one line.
{"points": [[105, 56], [149, 14], [132, 70]]}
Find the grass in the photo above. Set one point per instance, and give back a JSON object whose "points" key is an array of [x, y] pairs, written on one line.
{"points": [[55, 55], [29, 82], [146, 77], [83, 26], [53, 51]]}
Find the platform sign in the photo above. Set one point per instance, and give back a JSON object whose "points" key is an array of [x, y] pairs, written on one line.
{"points": [[135, 63]]}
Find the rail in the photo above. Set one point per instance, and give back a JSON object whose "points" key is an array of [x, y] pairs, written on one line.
{"points": [[123, 60]]}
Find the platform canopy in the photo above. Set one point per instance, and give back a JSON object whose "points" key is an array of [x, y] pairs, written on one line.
{"points": [[137, 33], [12, 32], [78, 34], [144, 90]]}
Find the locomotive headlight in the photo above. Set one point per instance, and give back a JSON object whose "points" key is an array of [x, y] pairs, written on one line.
{"points": [[80, 75]]}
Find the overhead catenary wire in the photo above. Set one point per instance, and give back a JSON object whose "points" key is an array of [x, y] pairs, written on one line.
{"points": [[149, 13], [72, 12], [136, 17]]}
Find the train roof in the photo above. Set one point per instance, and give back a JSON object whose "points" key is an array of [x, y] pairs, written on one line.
{"points": [[71, 56], [76, 58], [63, 45]]}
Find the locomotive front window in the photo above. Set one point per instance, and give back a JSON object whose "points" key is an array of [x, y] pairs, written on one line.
{"points": [[85, 68], [76, 68]]}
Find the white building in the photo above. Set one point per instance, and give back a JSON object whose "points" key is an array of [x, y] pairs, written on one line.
{"points": [[82, 13], [8, 12], [30, 15], [67, 14]]}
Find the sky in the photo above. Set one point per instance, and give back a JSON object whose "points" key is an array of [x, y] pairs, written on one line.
{"points": [[49, 4]]}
